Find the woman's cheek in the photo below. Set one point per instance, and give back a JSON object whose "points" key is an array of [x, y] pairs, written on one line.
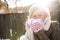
{"points": [[42, 17]]}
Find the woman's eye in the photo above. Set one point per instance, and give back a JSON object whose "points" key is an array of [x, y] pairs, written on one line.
{"points": [[34, 16], [39, 15]]}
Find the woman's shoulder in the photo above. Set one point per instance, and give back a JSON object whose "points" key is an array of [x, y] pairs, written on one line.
{"points": [[54, 25], [55, 31]]}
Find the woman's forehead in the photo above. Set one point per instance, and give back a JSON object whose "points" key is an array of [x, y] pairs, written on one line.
{"points": [[39, 12]]}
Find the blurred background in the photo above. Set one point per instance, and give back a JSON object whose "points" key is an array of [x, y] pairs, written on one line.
{"points": [[13, 14]]}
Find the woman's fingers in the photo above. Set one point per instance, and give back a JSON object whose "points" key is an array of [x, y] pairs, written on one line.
{"points": [[27, 26]]}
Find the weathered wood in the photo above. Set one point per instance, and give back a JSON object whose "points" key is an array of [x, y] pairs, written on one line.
{"points": [[14, 22]]}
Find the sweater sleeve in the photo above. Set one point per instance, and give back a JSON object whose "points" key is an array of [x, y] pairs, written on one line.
{"points": [[55, 33]]}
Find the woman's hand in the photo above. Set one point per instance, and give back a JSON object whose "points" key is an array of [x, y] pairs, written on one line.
{"points": [[34, 24], [27, 26]]}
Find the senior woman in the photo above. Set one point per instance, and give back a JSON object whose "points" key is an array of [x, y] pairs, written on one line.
{"points": [[41, 28]]}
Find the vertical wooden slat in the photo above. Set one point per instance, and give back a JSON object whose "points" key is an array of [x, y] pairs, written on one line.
{"points": [[14, 22]]}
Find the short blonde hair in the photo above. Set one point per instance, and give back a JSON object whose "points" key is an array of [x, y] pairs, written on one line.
{"points": [[35, 7]]}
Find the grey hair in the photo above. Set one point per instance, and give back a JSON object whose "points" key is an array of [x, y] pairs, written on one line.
{"points": [[35, 7]]}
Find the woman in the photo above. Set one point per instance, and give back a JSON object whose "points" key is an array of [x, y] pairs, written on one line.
{"points": [[38, 12]]}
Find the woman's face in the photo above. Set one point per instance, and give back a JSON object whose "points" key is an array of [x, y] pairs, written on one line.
{"points": [[37, 14]]}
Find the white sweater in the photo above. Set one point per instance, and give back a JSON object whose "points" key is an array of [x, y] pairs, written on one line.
{"points": [[28, 35]]}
